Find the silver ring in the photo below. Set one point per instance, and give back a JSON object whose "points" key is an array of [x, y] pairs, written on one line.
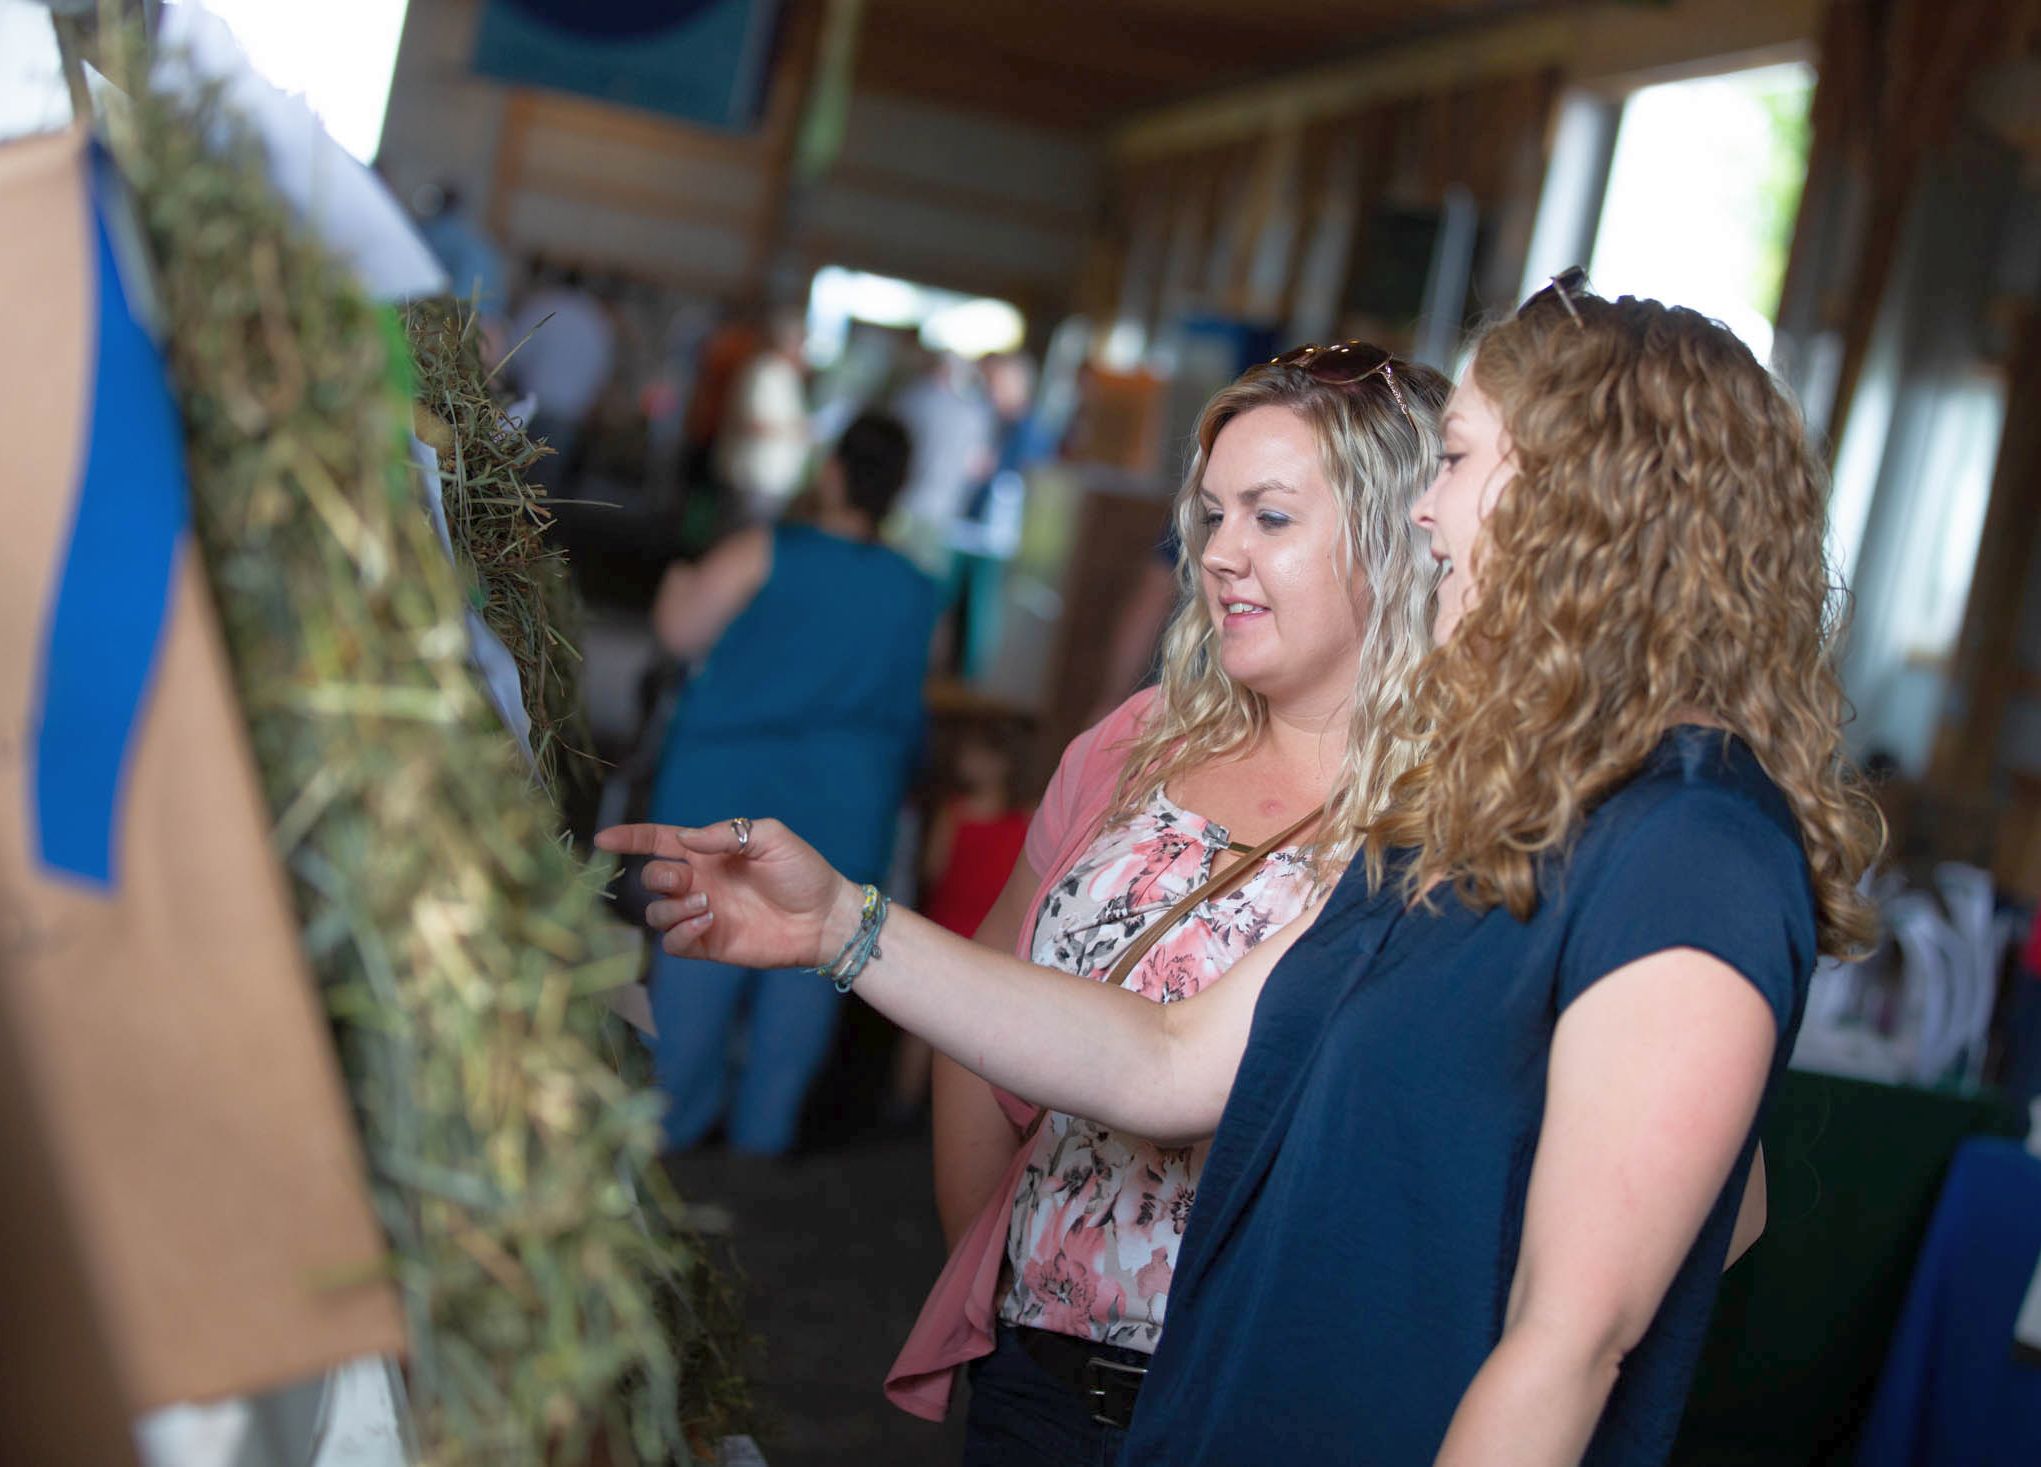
{"points": [[742, 827]]}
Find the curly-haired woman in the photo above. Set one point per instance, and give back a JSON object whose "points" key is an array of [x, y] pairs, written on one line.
{"points": [[1478, 1122]]}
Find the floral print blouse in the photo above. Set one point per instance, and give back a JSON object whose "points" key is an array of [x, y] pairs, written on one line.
{"points": [[1098, 1214]]}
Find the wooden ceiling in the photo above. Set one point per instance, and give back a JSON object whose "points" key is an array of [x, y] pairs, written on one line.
{"points": [[1086, 64]]}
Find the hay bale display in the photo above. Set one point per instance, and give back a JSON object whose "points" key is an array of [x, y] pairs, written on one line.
{"points": [[554, 1311]]}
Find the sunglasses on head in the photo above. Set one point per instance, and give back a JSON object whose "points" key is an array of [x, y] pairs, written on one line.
{"points": [[1568, 286], [1344, 364]]}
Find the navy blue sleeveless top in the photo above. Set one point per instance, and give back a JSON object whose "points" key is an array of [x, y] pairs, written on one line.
{"points": [[809, 707], [1349, 1258]]}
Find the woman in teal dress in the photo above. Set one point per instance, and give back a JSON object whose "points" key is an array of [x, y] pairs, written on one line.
{"points": [[810, 642]]}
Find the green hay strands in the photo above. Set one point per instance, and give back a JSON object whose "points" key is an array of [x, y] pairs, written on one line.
{"points": [[498, 522], [554, 1311]]}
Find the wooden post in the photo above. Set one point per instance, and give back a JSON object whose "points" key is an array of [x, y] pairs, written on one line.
{"points": [[506, 169], [1927, 53], [1985, 668], [772, 243]]}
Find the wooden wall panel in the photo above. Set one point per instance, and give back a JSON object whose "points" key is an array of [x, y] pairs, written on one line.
{"points": [[565, 162], [955, 197], [703, 254], [1289, 209]]}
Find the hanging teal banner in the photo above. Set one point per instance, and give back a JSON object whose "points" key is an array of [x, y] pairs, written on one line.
{"points": [[705, 61]]}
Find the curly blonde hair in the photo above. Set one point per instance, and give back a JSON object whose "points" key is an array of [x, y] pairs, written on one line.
{"points": [[1379, 442], [1658, 554]]}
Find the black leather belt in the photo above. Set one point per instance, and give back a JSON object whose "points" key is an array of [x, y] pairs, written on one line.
{"points": [[1108, 1377]]}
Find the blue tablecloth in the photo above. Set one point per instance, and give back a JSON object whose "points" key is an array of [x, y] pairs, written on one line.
{"points": [[1952, 1393]]}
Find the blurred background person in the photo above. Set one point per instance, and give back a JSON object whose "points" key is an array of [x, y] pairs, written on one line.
{"points": [[986, 534], [974, 838], [810, 642], [763, 442], [728, 348], [955, 430], [563, 349], [474, 264]]}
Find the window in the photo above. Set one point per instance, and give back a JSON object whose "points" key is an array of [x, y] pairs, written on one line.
{"points": [[340, 57], [1702, 195], [33, 97], [945, 320]]}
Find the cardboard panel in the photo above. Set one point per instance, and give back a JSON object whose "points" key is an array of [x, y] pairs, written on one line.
{"points": [[167, 1027]]}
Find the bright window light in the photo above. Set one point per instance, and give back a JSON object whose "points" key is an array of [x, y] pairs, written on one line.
{"points": [[1124, 346], [1963, 448], [974, 328], [970, 326], [33, 97], [1703, 193], [339, 57]]}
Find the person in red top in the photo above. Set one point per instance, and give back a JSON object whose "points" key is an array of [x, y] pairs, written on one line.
{"points": [[974, 838], [977, 834]]}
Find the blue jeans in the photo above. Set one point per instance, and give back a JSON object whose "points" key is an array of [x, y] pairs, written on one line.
{"points": [[700, 1009], [1022, 1416]]}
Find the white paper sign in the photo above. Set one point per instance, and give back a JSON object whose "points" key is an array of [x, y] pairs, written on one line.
{"points": [[344, 203]]}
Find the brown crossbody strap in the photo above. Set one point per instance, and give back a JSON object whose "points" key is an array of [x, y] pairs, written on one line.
{"points": [[1215, 886]]}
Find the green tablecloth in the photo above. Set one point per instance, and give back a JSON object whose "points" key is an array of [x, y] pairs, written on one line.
{"points": [[1802, 1323]]}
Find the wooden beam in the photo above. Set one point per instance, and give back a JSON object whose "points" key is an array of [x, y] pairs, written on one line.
{"points": [[940, 64], [1924, 59], [966, 198], [1592, 44], [601, 259], [1162, 49], [1320, 272], [1192, 224], [2007, 101], [1272, 221], [635, 198], [800, 48], [605, 120], [1986, 675]]}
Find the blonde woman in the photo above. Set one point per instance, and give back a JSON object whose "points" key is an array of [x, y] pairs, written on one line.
{"points": [[1303, 611], [1479, 1114]]}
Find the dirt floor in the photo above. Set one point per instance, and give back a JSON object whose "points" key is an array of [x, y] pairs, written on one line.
{"points": [[838, 1247]]}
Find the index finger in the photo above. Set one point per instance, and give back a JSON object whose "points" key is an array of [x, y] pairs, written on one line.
{"points": [[661, 841]]}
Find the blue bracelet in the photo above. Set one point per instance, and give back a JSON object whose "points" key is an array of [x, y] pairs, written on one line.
{"points": [[864, 943]]}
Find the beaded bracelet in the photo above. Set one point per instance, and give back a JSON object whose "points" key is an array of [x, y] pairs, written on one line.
{"points": [[864, 943]]}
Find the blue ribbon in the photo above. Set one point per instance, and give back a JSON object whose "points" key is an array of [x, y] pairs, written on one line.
{"points": [[113, 592]]}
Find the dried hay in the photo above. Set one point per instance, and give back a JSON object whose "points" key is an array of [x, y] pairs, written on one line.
{"points": [[553, 1307]]}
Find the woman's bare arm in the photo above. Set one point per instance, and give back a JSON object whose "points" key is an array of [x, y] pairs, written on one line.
{"points": [[974, 1141], [1158, 1070], [697, 602], [1655, 1074]]}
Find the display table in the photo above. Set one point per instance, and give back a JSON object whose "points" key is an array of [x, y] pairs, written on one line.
{"points": [[1953, 1389], [1804, 1320]]}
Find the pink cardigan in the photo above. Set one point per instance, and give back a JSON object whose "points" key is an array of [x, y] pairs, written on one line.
{"points": [[956, 1322]]}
